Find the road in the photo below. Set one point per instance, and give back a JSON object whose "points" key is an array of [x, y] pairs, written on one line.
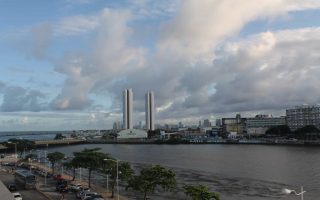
{"points": [[7, 179], [46, 186]]}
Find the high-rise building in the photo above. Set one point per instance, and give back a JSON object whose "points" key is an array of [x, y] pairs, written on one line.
{"points": [[218, 122], [150, 110], [117, 125], [127, 109], [206, 123], [300, 116]]}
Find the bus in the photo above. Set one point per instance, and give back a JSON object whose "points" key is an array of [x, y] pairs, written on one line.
{"points": [[25, 178]]}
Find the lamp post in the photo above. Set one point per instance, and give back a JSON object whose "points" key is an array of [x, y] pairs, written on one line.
{"points": [[117, 161], [288, 191], [16, 155], [45, 164]]}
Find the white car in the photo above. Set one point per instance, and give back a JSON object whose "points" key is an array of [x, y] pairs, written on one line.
{"points": [[75, 187], [87, 194], [17, 196]]}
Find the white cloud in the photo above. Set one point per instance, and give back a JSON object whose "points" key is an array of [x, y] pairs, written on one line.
{"points": [[288, 76], [76, 25], [24, 120], [192, 69]]}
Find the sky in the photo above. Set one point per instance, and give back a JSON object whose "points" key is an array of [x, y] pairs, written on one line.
{"points": [[65, 63]]}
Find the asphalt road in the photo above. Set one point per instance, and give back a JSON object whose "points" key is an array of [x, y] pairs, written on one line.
{"points": [[48, 188], [7, 179]]}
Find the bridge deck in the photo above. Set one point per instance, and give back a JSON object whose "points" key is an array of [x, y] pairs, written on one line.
{"points": [[48, 142]]}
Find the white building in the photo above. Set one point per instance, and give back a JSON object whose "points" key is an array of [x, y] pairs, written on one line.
{"points": [[127, 109], [150, 111], [300, 116], [132, 134]]}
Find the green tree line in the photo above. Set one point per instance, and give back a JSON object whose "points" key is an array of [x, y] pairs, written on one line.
{"points": [[144, 183]]}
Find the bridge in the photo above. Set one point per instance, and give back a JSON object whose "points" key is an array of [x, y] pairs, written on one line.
{"points": [[58, 142]]}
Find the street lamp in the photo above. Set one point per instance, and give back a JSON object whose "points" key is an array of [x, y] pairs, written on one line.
{"points": [[117, 161], [288, 191], [46, 170], [16, 155]]}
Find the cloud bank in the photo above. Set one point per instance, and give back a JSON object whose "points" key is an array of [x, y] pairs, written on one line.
{"points": [[196, 63]]}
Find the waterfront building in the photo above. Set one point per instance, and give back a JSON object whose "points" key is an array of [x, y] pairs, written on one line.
{"points": [[150, 111], [132, 134], [234, 125], [259, 124], [300, 116], [127, 109]]}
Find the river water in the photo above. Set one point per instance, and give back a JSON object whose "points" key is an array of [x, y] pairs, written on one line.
{"points": [[256, 172]]}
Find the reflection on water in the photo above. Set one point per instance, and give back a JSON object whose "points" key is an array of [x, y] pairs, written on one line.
{"points": [[239, 171]]}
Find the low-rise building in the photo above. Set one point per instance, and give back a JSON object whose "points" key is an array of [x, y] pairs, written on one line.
{"points": [[132, 134], [234, 125]]}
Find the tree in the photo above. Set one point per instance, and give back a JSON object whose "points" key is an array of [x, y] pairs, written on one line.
{"points": [[125, 172], [281, 130], [73, 164], [152, 177], [91, 159], [307, 132], [54, 158], [59, 136], [200, 192]]}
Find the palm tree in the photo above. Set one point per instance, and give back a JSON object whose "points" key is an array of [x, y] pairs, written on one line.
{"points": [[54, 158], [91, 159], [73, 164]]}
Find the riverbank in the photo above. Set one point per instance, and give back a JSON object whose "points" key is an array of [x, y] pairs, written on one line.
{"points": [[220, 141]]}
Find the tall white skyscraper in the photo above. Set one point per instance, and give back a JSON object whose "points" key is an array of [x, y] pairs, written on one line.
{"points": [[127, 108], [150, 110]]}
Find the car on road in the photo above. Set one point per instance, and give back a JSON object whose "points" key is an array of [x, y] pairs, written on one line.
{"points": [[95, 197], [12, 187], [17, 196], [80, 191], [87, 194], [75, 186]]}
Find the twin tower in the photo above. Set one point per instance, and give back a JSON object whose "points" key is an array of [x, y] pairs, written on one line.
{"points": [[128, 109]]}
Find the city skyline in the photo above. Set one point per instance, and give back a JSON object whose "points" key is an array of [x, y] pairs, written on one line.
{"points": [[64, 63]]}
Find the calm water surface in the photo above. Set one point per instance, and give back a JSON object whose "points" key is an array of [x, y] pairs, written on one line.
{"points": [[288, 165]]}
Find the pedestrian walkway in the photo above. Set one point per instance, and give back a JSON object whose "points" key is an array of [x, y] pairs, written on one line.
{"points": [[49, 188]]}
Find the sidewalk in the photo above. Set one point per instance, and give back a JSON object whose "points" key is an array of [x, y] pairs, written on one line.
{"points": [[50, 190]]}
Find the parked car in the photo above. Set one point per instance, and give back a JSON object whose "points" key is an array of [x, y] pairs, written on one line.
{"points": [[17, 196], [75, 186], [88, 194], [12, 187], [95, 197], [80, 191]]}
